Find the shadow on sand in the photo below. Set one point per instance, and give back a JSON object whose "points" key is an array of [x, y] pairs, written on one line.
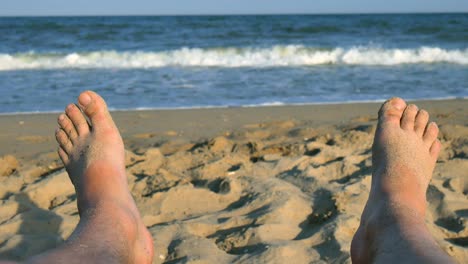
{"points": [[38, 230]]}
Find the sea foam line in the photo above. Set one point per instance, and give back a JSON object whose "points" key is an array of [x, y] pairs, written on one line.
{"points": [[276, 56]]}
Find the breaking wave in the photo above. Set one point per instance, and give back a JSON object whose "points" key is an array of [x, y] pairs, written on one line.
{"points": [[276, 56]]}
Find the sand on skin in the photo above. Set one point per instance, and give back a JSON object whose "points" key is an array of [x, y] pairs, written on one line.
{"points": [[266, 185]]}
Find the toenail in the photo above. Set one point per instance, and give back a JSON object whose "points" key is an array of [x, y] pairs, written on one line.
{"points": [[61, 117], [84, 99], [413, 106], [397, 104]]}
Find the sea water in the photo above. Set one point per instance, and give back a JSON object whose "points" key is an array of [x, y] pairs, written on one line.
{"points": [[230, 61]]}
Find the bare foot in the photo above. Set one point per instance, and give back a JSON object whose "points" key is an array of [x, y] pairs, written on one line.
{"points": [[93, 155], [404, 154]]}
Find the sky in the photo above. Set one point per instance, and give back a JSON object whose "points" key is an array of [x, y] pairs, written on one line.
{"points": [[194, 7]]}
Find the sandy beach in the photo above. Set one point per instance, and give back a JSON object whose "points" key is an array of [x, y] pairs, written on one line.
{"points": [[242, 185]]}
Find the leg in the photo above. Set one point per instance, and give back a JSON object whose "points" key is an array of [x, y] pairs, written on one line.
{"points": [[404, 154], [110, 228]]}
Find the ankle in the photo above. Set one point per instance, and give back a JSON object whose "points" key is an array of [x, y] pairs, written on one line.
{"points": [[395, 210], [389, 217], [391, 197], [98, 184]]}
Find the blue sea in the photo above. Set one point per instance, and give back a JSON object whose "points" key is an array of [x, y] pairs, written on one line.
{"points": [[141, 62]]}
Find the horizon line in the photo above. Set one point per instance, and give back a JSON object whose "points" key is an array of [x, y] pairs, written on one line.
{"points": [[238, 14]]}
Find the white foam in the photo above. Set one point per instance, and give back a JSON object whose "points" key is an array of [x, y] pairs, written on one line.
{"points": [[276, 56]]}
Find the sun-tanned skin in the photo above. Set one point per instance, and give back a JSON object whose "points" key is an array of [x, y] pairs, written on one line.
{"points": [[404, 154], [110, 228]]}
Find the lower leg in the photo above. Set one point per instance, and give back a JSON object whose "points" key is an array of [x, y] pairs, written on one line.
{"points": [[394, 233], [392, 228], [110, 228], [108, 232]]}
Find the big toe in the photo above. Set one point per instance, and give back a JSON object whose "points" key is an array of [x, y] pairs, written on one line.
{"points": [[392, 111], [95, 108]]}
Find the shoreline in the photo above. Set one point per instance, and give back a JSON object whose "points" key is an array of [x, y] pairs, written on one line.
{"points": [[273, 104], [25, 135]]}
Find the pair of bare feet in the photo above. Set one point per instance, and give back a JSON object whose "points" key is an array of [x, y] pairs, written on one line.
{"points": [[392, 227]]}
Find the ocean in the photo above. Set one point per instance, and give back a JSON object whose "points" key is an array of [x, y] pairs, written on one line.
{"points": [[147, 62]]}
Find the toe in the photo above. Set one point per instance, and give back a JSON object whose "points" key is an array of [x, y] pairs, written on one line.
{"points": [[430, 135], [67, 126], [421, 122], [409, 115], [95, 108], [78, 120], [435, 149], [391, 111], [63, 156], [63, 140]]}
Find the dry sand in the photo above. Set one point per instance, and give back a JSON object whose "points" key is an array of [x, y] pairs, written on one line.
{"points": [[243, 185]]}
